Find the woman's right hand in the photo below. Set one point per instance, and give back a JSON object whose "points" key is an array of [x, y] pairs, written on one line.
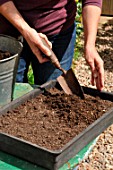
{"points": [[33, 38], [35, 41]]}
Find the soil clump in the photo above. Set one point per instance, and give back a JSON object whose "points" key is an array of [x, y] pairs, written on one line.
{"points": [[4, 54]]}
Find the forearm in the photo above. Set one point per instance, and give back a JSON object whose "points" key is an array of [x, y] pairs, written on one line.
{"points": [[33, 38], [9, 11], [91, 16]]}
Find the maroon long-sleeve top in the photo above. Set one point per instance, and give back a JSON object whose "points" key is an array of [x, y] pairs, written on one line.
{"points": [[46, 16]]}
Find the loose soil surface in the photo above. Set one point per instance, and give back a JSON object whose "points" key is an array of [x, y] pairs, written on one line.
{"points": [[52, 119], [4, 54]]}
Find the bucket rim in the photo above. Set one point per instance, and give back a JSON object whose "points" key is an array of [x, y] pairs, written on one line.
{"points": [[8, 36], [16, 54], [13, 38], [9, 58]]}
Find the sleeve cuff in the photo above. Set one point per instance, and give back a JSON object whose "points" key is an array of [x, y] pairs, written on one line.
{"points": [[90, 2], [4, 1]]}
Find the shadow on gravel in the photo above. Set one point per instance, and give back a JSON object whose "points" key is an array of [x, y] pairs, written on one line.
{"points": [[105, 44]]}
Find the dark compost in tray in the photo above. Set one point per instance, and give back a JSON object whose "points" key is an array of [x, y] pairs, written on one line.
{"points": [[52, 119], [4, 54]]}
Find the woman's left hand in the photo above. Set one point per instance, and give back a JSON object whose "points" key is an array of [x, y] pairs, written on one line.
{"points": [[96, 65]]}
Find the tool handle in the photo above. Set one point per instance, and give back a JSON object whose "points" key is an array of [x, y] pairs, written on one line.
{"points": [[53, 58]]}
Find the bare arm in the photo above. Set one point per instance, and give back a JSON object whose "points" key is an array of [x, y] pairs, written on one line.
{"points": [[91, 16], [9, 11]]}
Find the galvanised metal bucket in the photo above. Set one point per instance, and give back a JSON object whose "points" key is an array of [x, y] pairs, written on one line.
{"points": [[8, 67]]}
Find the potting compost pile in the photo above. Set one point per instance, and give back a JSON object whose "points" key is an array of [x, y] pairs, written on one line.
{"points": [[52, 119], [4, 54]]}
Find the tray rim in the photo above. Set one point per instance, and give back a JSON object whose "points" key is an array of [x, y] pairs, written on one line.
{"points": [[58, 153]]}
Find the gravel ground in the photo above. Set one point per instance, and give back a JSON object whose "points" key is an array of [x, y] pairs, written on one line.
{"points": [[101, 157]]}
